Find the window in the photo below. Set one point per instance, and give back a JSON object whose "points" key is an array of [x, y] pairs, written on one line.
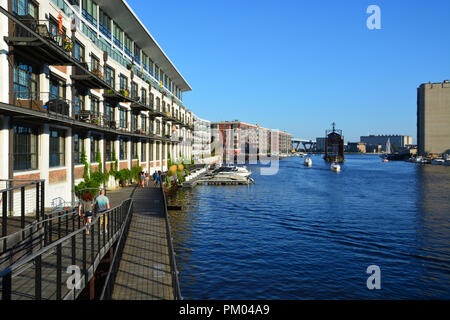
{"points": [[163, 152], [57, 147], [123, 82], [89, 11], [137, 54], [123, 118], [150, 125], [156, 72], [134, 150], [25, 148], [145, 61], [95, 147], [143, 96], [25, 82], [57, 88], [150, 66], [164, 106], [110, 76], [158, 104], [78, 101], [104, 24], [109, 147], [95, 106], [123, 152], [109, 111], [79, 52], [134, 90], [118, 36], [95, 65], [151, 100], [25, 7], [143, 151], [158, 144], [157, 126], [128, 45], [134, 121], [144, 123], [78, 142], [152, 155]]}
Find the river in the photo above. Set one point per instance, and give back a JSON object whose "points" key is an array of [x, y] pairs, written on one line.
{"points": [[309, 233]]}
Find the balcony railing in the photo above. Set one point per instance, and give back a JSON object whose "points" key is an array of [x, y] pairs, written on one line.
{"points": [[90, 78], [43, 102]]}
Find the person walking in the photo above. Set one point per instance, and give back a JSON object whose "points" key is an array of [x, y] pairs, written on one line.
{"points": [[85, 208], [102, 205], [155, 178], [141, 178], [158, 178]]}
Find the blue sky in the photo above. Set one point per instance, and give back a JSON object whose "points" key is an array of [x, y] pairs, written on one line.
{"points": [[299, 65]]}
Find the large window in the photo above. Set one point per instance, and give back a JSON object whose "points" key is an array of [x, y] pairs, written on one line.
{"points": [[123, 82], [25, 7], [109, 111], [128, 45], [144, 123], [123, 152], [123, 118], [137, 54], [78, 101], [151, 100], [158, 104], [158, 144], [110, 76], [156, 72], [104, 24], [118, 36], [109, 148], [89, 11], [25, 82], [134, 121], [150, 66], [57, 88], [158, 130], [95, 106], [57, 147], [143, 151], [145, 61], [79, 52], [95, 147], [95, 65], [134, 149], [78, 142], [134, 90], [144, 96], [25, 148]]}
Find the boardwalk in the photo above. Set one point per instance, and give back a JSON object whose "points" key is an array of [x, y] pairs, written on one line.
{"points": [[145, 271]]}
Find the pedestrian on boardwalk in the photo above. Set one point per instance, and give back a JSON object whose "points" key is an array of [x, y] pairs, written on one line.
{"points": [[85, 208], [147, 179], [158, 179], [141, 178], [102, 205], [155, 178]]}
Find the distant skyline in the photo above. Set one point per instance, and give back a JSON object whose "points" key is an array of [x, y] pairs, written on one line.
{"points": [[298, 65]]}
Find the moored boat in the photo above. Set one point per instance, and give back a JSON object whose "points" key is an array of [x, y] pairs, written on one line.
{"points": [[335, 167], [307, 162]]}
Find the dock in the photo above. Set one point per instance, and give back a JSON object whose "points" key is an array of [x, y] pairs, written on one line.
{"points": [[145, 269]]}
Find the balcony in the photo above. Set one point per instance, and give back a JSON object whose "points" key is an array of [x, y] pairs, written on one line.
{"points": [[31, 37], [92, 79], [42, 101], [123, 95]]}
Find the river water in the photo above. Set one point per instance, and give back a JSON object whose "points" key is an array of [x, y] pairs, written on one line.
{"points": [[309, 233]]}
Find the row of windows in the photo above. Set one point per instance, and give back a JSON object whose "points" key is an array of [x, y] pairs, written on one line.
{"points": [[25, 155]]}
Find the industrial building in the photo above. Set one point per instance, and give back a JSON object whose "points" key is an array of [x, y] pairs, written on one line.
{"points": [[433, 118], [398, 142], [85, 79]]}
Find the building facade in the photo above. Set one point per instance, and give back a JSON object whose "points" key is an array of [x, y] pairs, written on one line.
{"points": [[398, 142], [201, 144], [237, 138], [433, 118], [76, 85], [356, 147]]}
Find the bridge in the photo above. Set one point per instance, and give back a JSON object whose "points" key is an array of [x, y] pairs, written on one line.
{"points": [[299, 144], [126, 254]]}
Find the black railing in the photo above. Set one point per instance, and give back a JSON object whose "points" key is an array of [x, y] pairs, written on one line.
{"points": [[24, 196], [43, 274], [173, 264]]}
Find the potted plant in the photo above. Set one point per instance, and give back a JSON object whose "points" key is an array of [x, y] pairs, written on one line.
{"points": [[129, 66], [68, 45]]}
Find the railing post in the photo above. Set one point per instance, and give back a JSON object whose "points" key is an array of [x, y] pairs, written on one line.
{"points": [[43, 199], [4, 216], [84, 257], [37, 278], [58, 271], [22, 207], [37, 203]]}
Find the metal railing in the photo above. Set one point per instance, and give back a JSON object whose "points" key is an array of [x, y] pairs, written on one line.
{"points": [[24, 196], [43, 273], [173, 264]]}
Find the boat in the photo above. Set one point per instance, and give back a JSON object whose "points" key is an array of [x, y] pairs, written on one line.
{"points": [[230, 169], [302, 154], [307, 162], [385, 160], [335, 167], [438, 161]]}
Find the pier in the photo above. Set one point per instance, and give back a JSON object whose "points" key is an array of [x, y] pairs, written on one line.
{"points": [[58, 260]]}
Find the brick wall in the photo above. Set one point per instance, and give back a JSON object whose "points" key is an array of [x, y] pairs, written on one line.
{"points": [[57, 176], [123, 164], [78, 172]]}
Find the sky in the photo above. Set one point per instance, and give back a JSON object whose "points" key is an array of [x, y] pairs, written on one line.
{"points": [[298, 65]]}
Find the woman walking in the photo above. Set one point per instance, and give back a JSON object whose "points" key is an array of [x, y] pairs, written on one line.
{"points": [[86, 208]]}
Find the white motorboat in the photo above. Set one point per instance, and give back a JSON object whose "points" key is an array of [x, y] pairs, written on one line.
{"points": [[307, 162], [233, 170], [335, 167]]}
